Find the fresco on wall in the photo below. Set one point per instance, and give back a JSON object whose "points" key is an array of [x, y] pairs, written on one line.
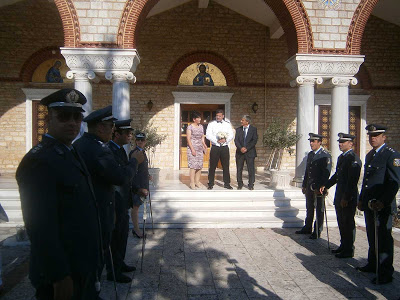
{"points": [[52, 71], [202, 74]]}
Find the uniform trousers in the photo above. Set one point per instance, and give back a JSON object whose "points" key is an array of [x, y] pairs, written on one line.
{"points": [[216, 154], [119, 239], [310, 206], [385, 241], [84, 288], [347, 226]]}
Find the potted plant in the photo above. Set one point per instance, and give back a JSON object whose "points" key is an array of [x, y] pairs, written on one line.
{"points": [[153, 139], [279, 136]]}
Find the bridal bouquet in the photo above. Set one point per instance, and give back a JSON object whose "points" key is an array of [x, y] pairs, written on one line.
{"points": [[222, 135]]}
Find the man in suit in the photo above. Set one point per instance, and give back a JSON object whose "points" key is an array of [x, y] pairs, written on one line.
{"points": [[380, 185], [122, 135], [106, 173], [318, 169], [245, 141], [59, 206], [219, 132], [348, 169]]}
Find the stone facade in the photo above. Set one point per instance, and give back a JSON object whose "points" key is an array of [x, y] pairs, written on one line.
{"points": [[255, 65]]}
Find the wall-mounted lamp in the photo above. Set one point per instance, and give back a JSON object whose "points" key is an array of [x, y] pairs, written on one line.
{"points": [[149, 105], [254, 107]]}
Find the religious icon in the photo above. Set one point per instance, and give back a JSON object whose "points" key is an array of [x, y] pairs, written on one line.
{"points": [[203, 78], [53, 75]]}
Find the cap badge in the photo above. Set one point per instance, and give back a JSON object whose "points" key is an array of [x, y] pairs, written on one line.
{"points": [[373, 128], [72, 97], [340, 135]]}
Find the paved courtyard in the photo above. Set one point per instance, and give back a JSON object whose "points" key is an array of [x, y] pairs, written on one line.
{"points": [[206, 264]]}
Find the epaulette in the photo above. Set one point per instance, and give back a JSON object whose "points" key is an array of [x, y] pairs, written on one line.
{"points": [[59, 150], [391, 149], [37, 148]]}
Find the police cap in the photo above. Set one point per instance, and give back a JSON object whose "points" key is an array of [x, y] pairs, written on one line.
{"points": [[314, 136], [123, 124], [65, 98], [375, 129], [344, 137], [100, 115], [140, 136]]}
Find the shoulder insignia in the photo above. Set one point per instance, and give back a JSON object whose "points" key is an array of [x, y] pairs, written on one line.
{"points": [[37, 148], [396, 162]]}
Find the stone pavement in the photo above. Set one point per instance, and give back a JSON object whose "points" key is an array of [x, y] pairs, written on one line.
{"points": [[243, 264]]}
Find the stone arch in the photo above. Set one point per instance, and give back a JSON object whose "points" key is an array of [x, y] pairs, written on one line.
{"points": [[186, 60], [36, 59], [70, 21]]}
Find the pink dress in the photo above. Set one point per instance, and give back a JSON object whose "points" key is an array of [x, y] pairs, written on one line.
{"points": [[196, 162]]}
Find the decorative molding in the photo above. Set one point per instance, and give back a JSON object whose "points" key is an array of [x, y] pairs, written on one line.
{"points": [[120, 76], [306, 80], [324, 65], [101, 60], [344, 81], [81, 75]]}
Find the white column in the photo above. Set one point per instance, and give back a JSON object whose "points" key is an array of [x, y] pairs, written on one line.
{"points": [[305, 121], [340, 111], [121, 94], [82, 84]]}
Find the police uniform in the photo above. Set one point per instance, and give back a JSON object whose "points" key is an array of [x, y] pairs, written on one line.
{"points": [[381, 182], [317, 173], [122, 200], [346, 178], [141, 179], [105, 172], [59, 210]]}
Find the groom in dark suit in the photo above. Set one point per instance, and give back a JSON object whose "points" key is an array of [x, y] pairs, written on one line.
{"points": [[245, 141]]}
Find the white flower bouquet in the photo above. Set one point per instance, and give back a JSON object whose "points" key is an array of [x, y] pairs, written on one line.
{"points": [[222, 135]]}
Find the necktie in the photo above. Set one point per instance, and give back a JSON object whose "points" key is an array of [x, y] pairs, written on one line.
{"points": [[244, 135]]}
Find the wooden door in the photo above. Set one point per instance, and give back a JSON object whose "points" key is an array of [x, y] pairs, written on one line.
{"points": [[207, 112], [325, 127]]}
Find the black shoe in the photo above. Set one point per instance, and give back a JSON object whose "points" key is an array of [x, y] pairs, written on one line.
{"points": [[303, 231], [382, 280], [240, 186], [367, 269], [210, 187], [135, 234], [228, 186], [344, 254], [121, 278], [313, 236], [126, 268], [338, 250], [251, 188]]}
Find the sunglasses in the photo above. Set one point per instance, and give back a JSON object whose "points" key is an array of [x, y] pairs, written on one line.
{"points": [[65, 116]]}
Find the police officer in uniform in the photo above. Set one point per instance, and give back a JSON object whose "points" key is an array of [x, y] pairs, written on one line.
{"points": [[380, 184], [105, 172], [140, 183], [59, 206], [346, 178], [122, 135], [318, 169]]}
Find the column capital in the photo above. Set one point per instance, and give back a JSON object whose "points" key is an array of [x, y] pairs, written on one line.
{"points": [[306, 80], [324, 65], [344, 81], [120, 76], [84, 75]]}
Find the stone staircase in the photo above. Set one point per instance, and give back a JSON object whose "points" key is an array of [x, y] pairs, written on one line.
{"points": [[230, 209]]}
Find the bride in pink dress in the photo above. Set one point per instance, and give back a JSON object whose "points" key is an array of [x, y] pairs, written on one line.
{"points": [[196, 149]]}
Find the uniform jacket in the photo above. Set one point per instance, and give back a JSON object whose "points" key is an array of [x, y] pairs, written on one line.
{"points": [[251, 141], [59, 211], [381, 176], [105, 172], [346, 177], [318, 169], [141, 179], [123, 192]]}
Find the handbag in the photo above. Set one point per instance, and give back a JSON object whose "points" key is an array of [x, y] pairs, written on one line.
{"points": [[3, 215]]}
